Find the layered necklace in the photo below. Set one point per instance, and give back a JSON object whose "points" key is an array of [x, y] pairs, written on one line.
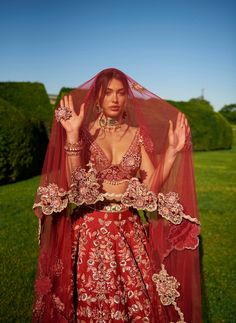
{"points": [[108, 123]]}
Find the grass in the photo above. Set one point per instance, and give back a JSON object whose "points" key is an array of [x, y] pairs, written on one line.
{"points": [[18, 250], [215, 178], [216, 190]]}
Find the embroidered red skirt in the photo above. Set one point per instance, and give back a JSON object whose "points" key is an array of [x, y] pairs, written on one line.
{"points": [[112, 271]]}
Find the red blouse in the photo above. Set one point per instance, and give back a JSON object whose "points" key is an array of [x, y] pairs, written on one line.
{"points": [[113, 173]]}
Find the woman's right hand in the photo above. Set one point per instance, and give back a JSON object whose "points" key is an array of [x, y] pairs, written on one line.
{"points": [[73, 124]]}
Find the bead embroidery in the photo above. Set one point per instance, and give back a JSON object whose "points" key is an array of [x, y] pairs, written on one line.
{"points": [[115, 173], [111, 274], [58, 303], [52, 199], [63, 113], [84, 187], [188, 142], [147, 142], [170, 208], [44, 287], [166, 286], [138, 87], [138, 196]]}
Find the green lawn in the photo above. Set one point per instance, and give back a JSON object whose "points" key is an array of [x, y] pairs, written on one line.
{"points": [[216, 190], [216, 179]]}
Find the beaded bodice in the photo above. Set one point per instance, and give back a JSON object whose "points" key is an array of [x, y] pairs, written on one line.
{"points": [[114, 173]]}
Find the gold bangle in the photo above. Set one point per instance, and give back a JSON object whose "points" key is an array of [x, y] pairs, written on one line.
{"points": [[73, 148], [73, 153]]}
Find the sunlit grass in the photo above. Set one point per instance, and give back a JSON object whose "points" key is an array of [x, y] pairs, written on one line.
{"points": [[18, 250], [216, 190]]}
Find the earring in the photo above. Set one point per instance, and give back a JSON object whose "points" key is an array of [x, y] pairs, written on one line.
{"points": [[98, 108], [124, 115]]}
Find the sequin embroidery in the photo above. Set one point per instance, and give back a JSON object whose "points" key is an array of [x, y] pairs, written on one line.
{"points": [[113, 173], [112, 267]]}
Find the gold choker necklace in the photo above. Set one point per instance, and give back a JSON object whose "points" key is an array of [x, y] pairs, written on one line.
{"points": [[108, 123]]}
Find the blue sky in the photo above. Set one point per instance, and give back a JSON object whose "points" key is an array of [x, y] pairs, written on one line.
{"points": [[174, 48]]}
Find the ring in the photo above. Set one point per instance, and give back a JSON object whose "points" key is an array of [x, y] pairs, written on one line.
{"points": [[63, 113]]}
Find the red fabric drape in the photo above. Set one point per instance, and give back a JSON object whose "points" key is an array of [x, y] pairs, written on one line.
{"points": [[173, 245]]}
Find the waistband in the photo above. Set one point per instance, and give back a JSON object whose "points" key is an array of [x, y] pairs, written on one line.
{"points": [[106, 206]]}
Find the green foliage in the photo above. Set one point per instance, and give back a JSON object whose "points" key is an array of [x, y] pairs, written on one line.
{"points": [[30, 99], [210, 130], [203, 103], [63, 91], [229, 112], [23, 143]]}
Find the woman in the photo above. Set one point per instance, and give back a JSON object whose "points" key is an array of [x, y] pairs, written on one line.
{"points": [[117, 209]]}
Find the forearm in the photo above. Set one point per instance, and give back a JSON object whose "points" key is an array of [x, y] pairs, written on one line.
{"points": [[73, 155], [168, 162], [72, 162], [163, 169]]}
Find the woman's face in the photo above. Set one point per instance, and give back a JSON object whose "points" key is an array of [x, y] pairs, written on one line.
{"points": [[115, 99]]}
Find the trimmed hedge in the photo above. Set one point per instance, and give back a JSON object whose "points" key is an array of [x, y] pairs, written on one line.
{"points": [[229, 112], [31, 99], [23, 143], [63, 91], [210, 130]]}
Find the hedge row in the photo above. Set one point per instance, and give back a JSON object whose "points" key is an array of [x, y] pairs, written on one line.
{"points": [[31, 99], [210, 130], [25, 112], [63, 91], [229, 112]]}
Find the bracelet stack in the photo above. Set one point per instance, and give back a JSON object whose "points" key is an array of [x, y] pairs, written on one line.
{"points": [[73, 149]]}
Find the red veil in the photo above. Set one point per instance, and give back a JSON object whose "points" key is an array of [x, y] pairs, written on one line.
{"points": [[173, 227]]}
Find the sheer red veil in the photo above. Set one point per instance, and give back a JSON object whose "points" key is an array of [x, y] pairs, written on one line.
{"points": [[173, 228]]}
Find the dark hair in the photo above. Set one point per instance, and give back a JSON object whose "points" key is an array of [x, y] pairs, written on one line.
{"points": [[103, 79]]}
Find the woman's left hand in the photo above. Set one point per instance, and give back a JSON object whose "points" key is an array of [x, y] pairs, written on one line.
{"points": [[177, 136]]}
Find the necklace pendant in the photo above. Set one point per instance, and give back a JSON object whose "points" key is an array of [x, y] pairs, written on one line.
{"points": [[108, 123]]}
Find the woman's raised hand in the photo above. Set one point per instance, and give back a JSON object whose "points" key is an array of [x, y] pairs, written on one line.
{"points": [[73, 124], [177, 136]]}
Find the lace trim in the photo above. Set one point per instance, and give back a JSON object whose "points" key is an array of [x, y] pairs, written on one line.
{"points": [[85, 190], [166, 287], [112, 196], [114, 173], [44, 286], [39, 231], [170, 208], [84, 187], [137, 87], [188, 143], [147, 142], [52, 199], [138, 196], [60, 307]]}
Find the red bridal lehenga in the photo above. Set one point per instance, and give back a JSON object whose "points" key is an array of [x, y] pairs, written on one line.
{"points": [[130, 257]]}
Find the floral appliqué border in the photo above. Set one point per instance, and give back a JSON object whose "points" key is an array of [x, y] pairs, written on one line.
{"points": [[170, 208], [138, 196], [166, 287], [52, 199], [84, 187]]}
